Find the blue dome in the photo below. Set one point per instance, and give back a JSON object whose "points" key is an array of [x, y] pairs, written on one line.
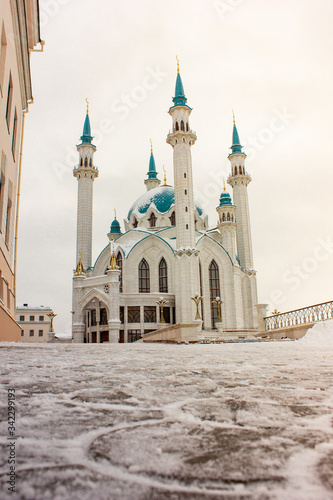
{"points": [[225, 199], [163, 197], [115, 227]]}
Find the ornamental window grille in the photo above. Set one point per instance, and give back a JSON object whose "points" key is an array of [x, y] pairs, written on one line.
{"points": [[149, 314], [120, 265], [152, 220], [144, 279], [214, 286], [163, 276], [133, 335], [133, 314], [173, 218]]}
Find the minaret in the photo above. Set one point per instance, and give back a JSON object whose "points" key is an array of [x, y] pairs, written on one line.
{"points": [[152, 181], [181, 138], [239, 179], [85, 173], [227, 223]]}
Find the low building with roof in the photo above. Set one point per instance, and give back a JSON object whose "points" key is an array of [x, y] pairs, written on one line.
{"points": [[167, 259], [34, 322]]}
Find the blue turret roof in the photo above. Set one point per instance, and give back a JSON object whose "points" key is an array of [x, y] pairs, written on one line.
{"points": [[236, 145], [225, 199], [115, 227], [179, 99], [152, 174], [86, 136]]}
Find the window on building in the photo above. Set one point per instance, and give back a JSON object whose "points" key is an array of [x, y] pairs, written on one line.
{"points": [[177, 126], [166, 314], [135, 223], [121, 314], [9, 298], [8, 220], [103, 316], [2, 185], [214, 285], [152, 220], [22, 333], [186, 226], [163, 276], [31, 318], [86, 162], [173, 218], [9, 101], [182, 126], [120, 265], [149, 314], [21, 318], [31, 333], [3, 54], [186, 127], [93, 317], [228, 217], [40, 333], [185, 191], [133, 314], [14, 135], [41, 318], [184, 175], [144, 280], [133, 335]]}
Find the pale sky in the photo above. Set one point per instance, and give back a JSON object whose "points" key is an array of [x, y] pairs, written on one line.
{"points": [[269, 60]]}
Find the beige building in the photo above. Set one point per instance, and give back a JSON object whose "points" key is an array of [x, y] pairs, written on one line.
{"points": [[19, 34], [33, 322]]}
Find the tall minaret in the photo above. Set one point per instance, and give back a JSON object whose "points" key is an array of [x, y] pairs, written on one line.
{"points": [[181, 139], [85, 173], [152, 181], [239, 179]]}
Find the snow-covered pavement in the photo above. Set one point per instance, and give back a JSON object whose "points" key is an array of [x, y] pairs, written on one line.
{"points": [[195, 422]]}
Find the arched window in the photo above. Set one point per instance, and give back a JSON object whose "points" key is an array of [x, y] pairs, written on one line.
{"points": [[177, 126], [120, 265], [89, 162], [152, 220], [228, 217], [163, 276], [214, 286], [186, 127], [232, 217], [81, 162], [235, 170], [86, 162], [182, 126], [173, 218], [223, 217], [144, 281], [135, 223]]}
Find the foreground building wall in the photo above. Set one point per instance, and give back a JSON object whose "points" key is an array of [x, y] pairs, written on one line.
{"points": [[19, 34]]}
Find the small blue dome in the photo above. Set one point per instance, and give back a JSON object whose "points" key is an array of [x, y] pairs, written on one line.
{"points": [[115, 227], [225, 199], [163, 197]]}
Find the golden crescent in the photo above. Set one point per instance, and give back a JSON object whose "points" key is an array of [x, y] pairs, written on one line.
{"points": [[87, 101]]}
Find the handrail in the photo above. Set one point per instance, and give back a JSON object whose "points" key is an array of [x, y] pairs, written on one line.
{"points": [[302, 316]]}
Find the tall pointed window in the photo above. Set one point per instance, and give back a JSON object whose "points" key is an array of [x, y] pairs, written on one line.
{"points": [[120, 265], [9, 101], [86, 162], [163, 276], [214, 286], [144, 280], [182, 126], [177, 126], [152, 220], [173, 218]]}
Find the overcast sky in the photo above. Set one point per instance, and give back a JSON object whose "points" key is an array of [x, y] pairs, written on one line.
{"points": [[269, 60]]}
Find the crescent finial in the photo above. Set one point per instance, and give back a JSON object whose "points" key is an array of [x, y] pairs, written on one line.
{"points": [[87, 106], [177, 65]]}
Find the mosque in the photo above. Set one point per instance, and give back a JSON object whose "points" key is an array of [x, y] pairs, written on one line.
{"points": [[167, 267]]}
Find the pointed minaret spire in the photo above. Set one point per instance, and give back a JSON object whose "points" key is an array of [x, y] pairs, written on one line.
{"points": [[152, 181], [179, 99], [236, 145], [86, 136]]}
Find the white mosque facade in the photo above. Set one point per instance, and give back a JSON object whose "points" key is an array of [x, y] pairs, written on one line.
{"points": [[167, 252]]}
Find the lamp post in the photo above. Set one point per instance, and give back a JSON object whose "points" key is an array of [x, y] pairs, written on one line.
{"points": [[162, 303]]}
